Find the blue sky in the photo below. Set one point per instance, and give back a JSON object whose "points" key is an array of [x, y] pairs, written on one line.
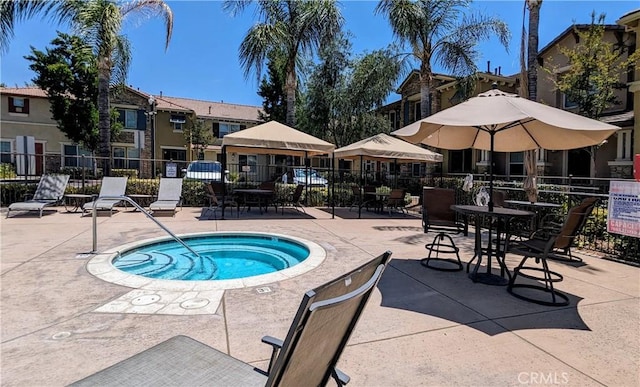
{"points": [[202, 63]]}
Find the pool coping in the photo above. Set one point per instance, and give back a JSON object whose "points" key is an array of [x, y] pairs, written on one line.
{"points": [[101, 267]]}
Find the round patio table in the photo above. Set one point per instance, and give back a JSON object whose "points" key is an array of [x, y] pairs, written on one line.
{"points": [[498, 213], [73, 202]]}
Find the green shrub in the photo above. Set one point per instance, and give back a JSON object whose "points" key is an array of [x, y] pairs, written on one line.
{"points": [[7, 171], [15, 192], [130, 173]]}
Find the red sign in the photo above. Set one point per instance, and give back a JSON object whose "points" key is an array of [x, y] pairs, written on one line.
{"points": [[636, 167]]}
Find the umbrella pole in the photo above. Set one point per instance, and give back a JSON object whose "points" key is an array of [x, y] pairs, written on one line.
{"points": [[224, 184], [492, 134], [361, 190], [333, 186]]}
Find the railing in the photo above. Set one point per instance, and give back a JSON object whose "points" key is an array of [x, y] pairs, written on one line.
{"points": [[138, 207]]}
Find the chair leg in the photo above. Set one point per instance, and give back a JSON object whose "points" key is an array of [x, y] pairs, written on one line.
{"points": [[548, 278], [439, 247]]}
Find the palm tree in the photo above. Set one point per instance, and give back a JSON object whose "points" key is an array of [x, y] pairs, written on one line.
{"points": [[532, 48], [529, 89], [295, 27], [440, 30], [99, 23]]}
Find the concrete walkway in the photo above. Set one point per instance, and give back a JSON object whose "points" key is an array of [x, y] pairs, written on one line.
{"points": [[421, 327]]}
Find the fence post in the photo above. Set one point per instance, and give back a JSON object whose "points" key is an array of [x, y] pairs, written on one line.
{"points": [[83, 172]]}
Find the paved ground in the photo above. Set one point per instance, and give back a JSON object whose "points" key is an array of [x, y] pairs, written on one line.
{"points": [[421, 327]]}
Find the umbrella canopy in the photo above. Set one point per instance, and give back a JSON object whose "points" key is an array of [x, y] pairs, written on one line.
{"points": [[383, 146], [274, 137], [516, 124], [499, 121]]}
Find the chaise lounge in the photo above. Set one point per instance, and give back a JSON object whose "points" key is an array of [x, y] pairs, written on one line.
{"points": [[169, 196], [111, 188], [49, 192]]}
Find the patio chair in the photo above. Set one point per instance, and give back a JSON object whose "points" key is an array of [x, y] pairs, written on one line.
{"points": [[49, 192], [395, 201], [365, 198], [547, 243], [438, 216], [214, 194], [552, 223], [111, 187], [318, 334], [169, 196], [293, 200]]}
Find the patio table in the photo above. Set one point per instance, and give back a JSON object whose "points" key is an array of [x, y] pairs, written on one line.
{"points": [[255, 195], [75, 201], [499, 213]]}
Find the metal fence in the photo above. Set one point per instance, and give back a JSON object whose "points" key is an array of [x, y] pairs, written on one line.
{"points": [[323, 186]]}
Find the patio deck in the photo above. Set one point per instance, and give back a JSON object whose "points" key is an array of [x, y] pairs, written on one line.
{"points": [[421, 327]]}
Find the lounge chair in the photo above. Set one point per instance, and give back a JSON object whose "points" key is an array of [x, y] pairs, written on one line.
{"points": [[169, 196], [307, 357], [110, 188], [547, 243], [49, 192]]}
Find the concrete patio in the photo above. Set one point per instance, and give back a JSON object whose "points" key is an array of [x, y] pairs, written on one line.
{"points": [[421, 327]]}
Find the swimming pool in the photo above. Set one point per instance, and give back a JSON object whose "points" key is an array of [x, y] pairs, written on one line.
{"points": [[221, 257], [226, 260]]}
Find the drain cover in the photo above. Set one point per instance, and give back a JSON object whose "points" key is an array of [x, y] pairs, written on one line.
{"points": [[264, 289], [194, 303], [146, 300]]}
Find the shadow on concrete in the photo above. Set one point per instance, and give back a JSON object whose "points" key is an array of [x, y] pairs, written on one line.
{"points": [[408, 285], [346, 213]]}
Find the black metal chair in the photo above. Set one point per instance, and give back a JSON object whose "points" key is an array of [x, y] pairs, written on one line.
{"points": [[438, 216], [547, 243]]}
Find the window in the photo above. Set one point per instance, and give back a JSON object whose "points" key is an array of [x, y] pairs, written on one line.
{"points": [[72, 157], [5, 152], [130, 120], [227, 128], [18, 105], [567, 103], [416, 111], [247, 160], [416, 169], [392, 119], [126, 158], [624, 145], [516, 163], [178, 120]]}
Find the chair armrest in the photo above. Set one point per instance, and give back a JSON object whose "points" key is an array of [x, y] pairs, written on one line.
{"points": [[276, 344], [340, 377]]}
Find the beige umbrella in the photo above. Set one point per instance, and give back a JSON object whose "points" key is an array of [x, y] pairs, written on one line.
{"points": [[499, 121], [383, 146], [275, 138]]}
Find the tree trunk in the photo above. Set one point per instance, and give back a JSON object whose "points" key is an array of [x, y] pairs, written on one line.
{"points": [[104, 118], [290, 86], [425, 88], [532, 48]]}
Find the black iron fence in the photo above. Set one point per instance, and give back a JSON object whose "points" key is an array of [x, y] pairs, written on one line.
{"points": [[323, 187]]}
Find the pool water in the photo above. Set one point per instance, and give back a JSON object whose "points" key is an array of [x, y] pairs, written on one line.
{"points": [[222, 256]]}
